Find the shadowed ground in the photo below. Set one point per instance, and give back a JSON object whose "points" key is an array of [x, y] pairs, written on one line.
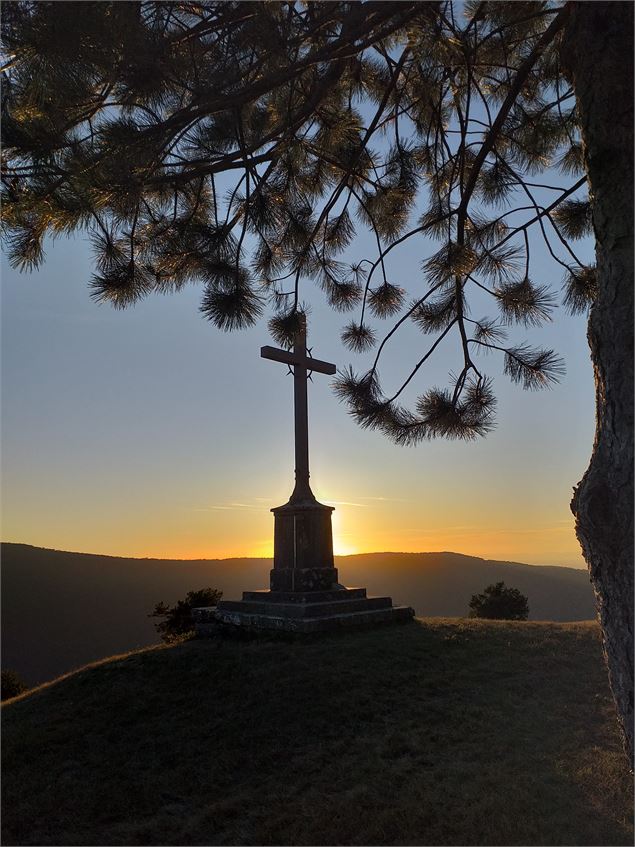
{"points": [[443, 731], [94, 606]]}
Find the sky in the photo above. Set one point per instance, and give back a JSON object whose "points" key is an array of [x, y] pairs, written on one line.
{"points": [[150, 433]]}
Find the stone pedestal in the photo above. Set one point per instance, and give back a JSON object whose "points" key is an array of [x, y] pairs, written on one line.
{"points": [[305, 595], [302, 612], [303, 548]]}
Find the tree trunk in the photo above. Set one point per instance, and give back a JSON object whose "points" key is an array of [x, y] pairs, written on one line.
{"points": [[598, 53]]}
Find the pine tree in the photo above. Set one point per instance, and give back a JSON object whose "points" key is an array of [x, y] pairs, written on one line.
{"points": [[598, 52], [242, 145]]}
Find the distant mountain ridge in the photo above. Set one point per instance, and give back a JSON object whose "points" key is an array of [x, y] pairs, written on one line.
{"points": [[61, 610]]}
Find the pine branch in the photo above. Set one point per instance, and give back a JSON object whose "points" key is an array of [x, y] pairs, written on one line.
{"points": [[521, 75]]}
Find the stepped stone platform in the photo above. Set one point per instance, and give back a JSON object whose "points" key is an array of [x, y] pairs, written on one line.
{"points": [[306, 595], [301, 611]]}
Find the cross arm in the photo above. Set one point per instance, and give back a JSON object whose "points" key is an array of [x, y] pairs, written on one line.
{"points": [[290, 358]]}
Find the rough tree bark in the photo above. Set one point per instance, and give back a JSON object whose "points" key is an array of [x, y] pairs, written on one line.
{"points": [[598, 52]]}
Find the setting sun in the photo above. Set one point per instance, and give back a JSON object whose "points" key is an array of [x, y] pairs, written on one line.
{"points": [[343, 548]]}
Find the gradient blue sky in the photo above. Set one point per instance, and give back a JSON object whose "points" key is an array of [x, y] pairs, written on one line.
{"points": [[148, 432]]}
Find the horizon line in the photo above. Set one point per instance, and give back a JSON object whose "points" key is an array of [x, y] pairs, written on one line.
{"points": [[270, 558]]}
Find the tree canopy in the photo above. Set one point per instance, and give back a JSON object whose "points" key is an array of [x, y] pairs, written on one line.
{"points": [[176, 621], [11, 684], [497, 602], [242, 145]]}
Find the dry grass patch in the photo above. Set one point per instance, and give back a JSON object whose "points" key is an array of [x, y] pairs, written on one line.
{"points": [[439, 732]]}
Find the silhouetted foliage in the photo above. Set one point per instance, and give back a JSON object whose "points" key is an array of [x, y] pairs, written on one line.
{"points": [[500, 603], [177, 620], [12, 684], [242, 145]]}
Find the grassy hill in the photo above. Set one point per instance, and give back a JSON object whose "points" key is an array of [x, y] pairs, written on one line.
{"points": [[430, 733], [61, 610]]}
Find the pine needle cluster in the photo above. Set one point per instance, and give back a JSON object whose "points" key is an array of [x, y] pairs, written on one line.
{"points": [[241, 146]]}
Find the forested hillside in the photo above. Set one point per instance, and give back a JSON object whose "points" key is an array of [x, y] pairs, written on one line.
{"points": [[61, 610]]}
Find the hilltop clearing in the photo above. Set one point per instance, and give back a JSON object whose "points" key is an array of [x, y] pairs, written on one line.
{"points": [[430, 733], [61, 610]]}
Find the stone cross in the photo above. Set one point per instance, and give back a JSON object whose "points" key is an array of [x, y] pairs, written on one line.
{"points": [[305, 594], [302, 364]]}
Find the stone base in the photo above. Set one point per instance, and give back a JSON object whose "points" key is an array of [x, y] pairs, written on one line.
{"points": [[301, 611], [303, 547], [302, 579]]}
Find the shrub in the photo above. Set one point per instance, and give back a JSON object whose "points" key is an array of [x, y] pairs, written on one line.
{"points": [[12, 684], [500, 603], [177, 622]]}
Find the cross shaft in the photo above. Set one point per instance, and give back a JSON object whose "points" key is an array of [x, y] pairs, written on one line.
{"points": [[302, 364]]}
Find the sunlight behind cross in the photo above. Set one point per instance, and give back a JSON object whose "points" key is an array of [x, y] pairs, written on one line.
{"points": [[301, 364]]}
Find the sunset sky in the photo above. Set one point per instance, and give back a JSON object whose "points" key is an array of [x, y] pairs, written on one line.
{"points": [[148, 432]]}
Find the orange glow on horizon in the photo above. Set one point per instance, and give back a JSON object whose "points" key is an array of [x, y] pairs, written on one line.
{"points": [[547, 546], [243, 528]]}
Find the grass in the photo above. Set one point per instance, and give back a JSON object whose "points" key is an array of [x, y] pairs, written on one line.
{"points": [[444, 731]]}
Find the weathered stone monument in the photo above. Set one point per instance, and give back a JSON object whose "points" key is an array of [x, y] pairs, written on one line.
{"points": [[304, 595]]}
